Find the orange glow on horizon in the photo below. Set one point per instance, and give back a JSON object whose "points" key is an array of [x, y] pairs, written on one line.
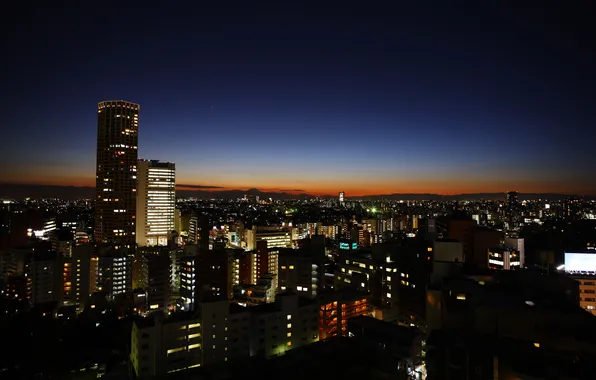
{"points": [[404, 187]]}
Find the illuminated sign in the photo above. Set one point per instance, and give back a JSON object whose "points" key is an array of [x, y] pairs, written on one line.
{"points": [[347, 246], [580, 262]]}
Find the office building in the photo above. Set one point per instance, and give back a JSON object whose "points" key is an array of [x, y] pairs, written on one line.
{"points": [[274, 236], [504, 257], [518, 244], [116, 172], [328, 231], [156, 202], [581, 266]]}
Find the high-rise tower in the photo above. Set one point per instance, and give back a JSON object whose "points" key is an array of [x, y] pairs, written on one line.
{"points": [[156, 202], [116, 174], [512, 199]]}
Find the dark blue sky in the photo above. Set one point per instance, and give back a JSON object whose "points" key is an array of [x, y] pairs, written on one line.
{"points": [[399, 97]]}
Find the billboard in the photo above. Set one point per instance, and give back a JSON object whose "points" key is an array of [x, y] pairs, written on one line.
{"points": [[580, 262], [346, 246]]}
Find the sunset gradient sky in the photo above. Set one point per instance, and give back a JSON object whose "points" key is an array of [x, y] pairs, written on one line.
{"points": [[366, 100]]}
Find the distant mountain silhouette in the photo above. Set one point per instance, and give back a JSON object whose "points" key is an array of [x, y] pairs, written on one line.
{"points": [[8, 190], [471, 196]]}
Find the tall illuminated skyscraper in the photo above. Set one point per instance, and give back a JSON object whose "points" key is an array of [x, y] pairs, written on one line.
{"points": [[116, 172], [156, 202]]}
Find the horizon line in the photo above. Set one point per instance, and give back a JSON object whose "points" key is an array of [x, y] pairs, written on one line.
{"points": [[216, 189]]}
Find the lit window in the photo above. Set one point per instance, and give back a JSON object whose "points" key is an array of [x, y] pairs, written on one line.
{"points": [[174, 350], [289, 325]]}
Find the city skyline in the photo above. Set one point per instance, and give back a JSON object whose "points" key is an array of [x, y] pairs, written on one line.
{"points": [[426, 100]]}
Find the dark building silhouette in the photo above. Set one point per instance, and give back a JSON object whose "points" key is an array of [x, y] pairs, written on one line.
{"points": [[155, 276], [476, 240]]}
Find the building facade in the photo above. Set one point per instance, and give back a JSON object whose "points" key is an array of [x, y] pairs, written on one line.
{"points": [[213, 335], [505, 258], [114, 273], [581, 266], [116, 172], [156, 202]]}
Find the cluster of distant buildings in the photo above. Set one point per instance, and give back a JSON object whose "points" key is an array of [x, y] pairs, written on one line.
{"points": [[451, 298]]}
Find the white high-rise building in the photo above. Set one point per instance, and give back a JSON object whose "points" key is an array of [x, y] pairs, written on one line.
{"points": [[156, 202]]}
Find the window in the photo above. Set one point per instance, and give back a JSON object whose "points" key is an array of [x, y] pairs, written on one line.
{"points": [[174, 350]]}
